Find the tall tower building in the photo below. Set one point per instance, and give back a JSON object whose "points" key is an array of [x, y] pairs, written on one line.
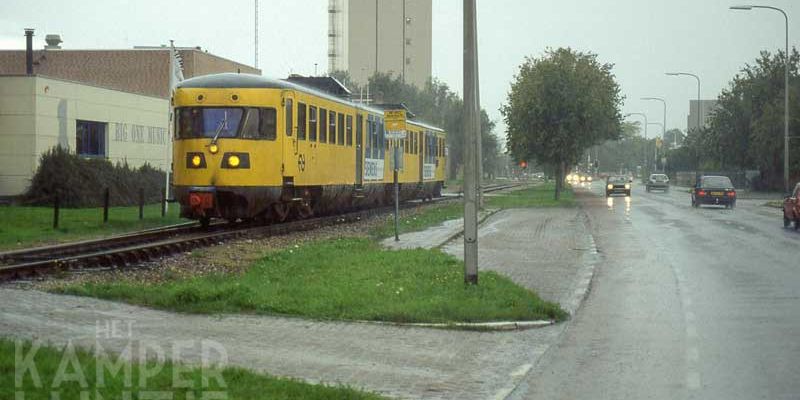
{"points": [[389, 36]]}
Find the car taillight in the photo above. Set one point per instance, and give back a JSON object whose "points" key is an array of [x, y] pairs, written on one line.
{"points": [[701, 192], [731, 194]]}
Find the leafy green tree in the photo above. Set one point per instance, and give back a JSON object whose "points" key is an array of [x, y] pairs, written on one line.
{"points": [[560, 105], [746, 128]]}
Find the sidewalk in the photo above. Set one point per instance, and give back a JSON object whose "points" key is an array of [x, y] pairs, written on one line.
{"points": [[548, 250]]}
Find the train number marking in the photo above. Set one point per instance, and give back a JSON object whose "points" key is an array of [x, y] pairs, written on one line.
{"points": [[301, 162]]}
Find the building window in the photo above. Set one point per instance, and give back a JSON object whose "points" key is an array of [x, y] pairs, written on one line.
{"points": [[408, 60], [408, 41], [91, 139]]}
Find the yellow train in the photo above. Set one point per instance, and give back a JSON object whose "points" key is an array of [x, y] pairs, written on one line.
{"points": [[248, 147]]}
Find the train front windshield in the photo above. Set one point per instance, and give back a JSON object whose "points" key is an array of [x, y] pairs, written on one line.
{"points": [[208, 122]]}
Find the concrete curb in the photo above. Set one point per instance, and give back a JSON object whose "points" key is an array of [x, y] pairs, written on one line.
{"points": [[497, 326], [460, 232]]}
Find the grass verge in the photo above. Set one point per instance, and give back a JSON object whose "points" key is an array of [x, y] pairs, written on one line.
{"points": [[424, 217], [232, 383], [536, 196], [28, 226], [350, 279]]}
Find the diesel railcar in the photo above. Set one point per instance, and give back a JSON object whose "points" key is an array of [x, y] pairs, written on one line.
{"points": [[248, 147]]}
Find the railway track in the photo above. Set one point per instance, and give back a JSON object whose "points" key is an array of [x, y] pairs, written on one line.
{"points": [[135, 248]]}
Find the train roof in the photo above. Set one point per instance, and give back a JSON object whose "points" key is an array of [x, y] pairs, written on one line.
{"points": [[231, 80]]}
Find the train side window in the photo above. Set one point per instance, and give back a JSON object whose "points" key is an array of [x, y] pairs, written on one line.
{"points": [[269, 123], [349, 125], [373, 138], [323, 125], [301, 121], [312, 123], [340, 130], [381, 140], [289, 117], [332, 127]]}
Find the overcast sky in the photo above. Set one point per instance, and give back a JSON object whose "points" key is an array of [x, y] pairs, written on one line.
{"points": [[642, 38]]}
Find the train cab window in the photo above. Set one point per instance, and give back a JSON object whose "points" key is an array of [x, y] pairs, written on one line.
{"points": [[340, 130], [312, 123], [301, 121], [289, 117], [349, 128], [332, 127], [323, 125]]}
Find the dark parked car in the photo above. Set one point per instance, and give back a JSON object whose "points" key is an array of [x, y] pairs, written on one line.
{"points": [[657, 182], [791, 208], [714, 190], [618, 184]]}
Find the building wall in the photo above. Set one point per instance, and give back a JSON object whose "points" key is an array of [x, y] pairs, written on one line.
{"points": [[399, 43], [144, 70], [706, 108], [38, 113]]}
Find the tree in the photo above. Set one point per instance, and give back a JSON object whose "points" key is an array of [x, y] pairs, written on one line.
{"points": [[560, 105], [745, 130]]}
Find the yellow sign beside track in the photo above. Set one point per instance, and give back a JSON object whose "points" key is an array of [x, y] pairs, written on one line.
{"points": [[395, 120]]}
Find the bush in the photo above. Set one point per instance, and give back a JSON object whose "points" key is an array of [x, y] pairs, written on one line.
{"points": [[80, 182]]}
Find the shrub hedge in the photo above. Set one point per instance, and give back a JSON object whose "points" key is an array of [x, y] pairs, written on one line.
{"points": [[80, 182]]}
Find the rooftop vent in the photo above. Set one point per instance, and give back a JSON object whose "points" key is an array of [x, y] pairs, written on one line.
{"points": [[53, 42]]}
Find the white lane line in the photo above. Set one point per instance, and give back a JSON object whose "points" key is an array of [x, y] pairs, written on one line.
{"points": [[690, 317], [522, 370], [692, 354], [693, 380], [691, 331], [516, 376]]}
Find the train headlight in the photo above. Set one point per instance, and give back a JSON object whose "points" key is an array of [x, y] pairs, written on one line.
{"points": [[233, 161], [196, 160], [213, 148]]}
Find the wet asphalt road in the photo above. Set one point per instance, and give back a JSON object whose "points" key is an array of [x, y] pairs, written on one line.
{"points": [[686, 304]]}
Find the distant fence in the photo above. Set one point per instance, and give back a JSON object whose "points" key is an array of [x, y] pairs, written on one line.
{"points": [[749, 179]]}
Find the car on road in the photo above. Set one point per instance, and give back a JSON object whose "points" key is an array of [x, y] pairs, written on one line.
{"points": [[657, 182], [618, 184], [791, 208], [714, 190]]}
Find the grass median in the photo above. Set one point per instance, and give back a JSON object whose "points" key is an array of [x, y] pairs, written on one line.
{"points": [[350, 279], [88, 375], [535, 196], [29, 226]]}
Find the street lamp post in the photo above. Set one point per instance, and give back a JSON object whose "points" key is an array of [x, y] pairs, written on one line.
{"points": [[655, 146], [664, 124], [643, 115], [699, 109], [785, 92]]}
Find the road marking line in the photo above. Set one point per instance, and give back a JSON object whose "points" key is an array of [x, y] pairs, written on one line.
{"points": [[691, 331], [693, 380], [692, 354], [522, 370]]}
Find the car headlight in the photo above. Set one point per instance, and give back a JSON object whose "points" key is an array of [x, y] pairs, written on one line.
{"points": [[589, 179], [627, 186], [610, 186]]}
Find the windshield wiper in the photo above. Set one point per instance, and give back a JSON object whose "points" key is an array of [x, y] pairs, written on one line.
{"points": [[219, 129]]}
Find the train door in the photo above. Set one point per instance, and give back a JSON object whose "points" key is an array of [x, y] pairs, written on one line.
{"points": [[291, 159], [359, 150], [421, 155]]}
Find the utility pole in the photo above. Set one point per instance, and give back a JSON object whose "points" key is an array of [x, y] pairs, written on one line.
{"points": [[471, 130]]}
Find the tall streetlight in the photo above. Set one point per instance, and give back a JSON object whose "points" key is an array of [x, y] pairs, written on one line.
{"points": [[664, 102], [699, 109], [785, 93], [643, 115]]}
